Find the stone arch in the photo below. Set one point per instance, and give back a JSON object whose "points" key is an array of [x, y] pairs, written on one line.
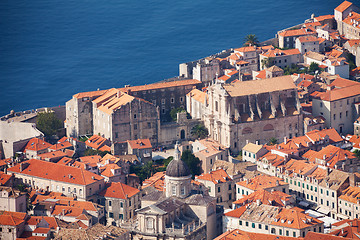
{"points": [[247, 130], [268, 127]]}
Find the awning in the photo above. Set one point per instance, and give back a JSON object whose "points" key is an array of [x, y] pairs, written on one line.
{"points": [[323, 210], [304, 204]]}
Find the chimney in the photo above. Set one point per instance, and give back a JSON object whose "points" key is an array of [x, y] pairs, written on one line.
{"points": [[285, 140], [324, 157], [258, 202], [277, 183], [257, 142]]}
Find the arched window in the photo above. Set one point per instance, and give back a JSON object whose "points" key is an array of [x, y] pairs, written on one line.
{"points": [[247, 130], [268, 127], [273, 231]]}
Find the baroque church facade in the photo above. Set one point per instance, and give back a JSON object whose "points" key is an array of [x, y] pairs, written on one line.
{"points": [[182, 211]]}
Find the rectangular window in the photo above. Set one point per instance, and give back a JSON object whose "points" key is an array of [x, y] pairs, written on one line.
{"points": [[218, 189], [121, 204], [109, 203], [111, 215], [259, 226], [240, 222], [121, 216], [247, 224]]}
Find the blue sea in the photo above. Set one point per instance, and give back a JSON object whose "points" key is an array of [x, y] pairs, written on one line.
{"points": [[50, 50]]}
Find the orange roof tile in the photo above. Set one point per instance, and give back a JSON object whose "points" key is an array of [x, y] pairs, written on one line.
{"points": [[97, 142], [36, 144], [242, 235], [108, 169], [140, 143], [61, 145], [4, 178], [215, 176], [340, 93], [119, 190], [49, 155], [351, 194], [324, 17], [198, 95], [56, 172], [12, 218], [157, 181], [262, 182], [310, 38], [274, 198], [90, 94], [294, 218], [112, 100], [296, 32], [35, 220], [332, 155], [343, 6], [246, 49]]}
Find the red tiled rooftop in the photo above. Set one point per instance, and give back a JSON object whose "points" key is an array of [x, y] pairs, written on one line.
{"points": [[119, 190]]}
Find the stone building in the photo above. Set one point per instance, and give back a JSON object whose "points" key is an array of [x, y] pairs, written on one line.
{"points": [[165, 95], [118, 117], [178, 212], [253, 110], [195, 101], [280, 58], [287, 38], [262, 218], [71, 181], [347, 19], [339, 105], [12, 200], [120, 201], [204, 70], [79, 116]]}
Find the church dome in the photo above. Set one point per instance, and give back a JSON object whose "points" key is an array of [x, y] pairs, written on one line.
{"points": [[177, 168]]}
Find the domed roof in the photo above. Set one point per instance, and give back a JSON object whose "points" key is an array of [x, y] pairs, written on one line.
{"points": [[177, 168]]}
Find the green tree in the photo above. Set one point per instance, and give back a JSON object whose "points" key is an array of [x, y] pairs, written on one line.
{"points": [[48, 123], [192, 162], [92, 152], [272, 141], [199, 131], [251, 39], [268, 62], [357, 153], [173, 113], [314, 67], [350, 58]]}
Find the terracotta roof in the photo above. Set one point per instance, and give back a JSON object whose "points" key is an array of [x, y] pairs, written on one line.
{"points": [[299, 167], [139, 143], [246, 49], [56, 172], [97, 142], [65, 161], [278, 52], [242, 235], [324, 17], [236, 212], [294, 218], [92, 160], [90, 94], [340, 93], [352, 19], [261, 74], [105, 148], [109, 170], [343, 6], [217, 176], [54, 154], [156, 181], [162, 85], [112, 100], [332, 155], [346, 229], [274, 198], [35, 220], [262, 182], [211, 147], [36, 144], [317, 135], [353, 42], [351, 194], [198, 95], [310, 38], [355, 72], [68, 211], [119, 190], [296, 32], [244, 88], [12, 218], [4, 178], [305, 83], [61, 145], [342, 82], [315, 55]]}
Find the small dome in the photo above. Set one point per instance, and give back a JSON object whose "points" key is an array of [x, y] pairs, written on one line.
{"points": [[177, 168]]}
